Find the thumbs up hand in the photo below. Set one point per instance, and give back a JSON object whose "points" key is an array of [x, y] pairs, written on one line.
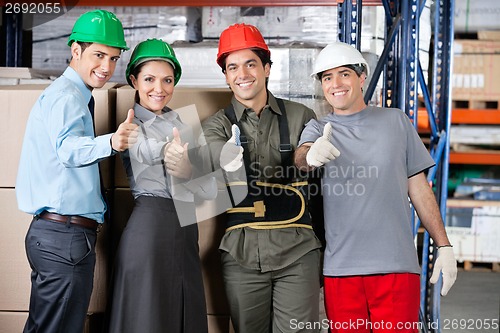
{"points": [[126, 134], [322, 151], [130, 116], [176, 157], [231, 156]]}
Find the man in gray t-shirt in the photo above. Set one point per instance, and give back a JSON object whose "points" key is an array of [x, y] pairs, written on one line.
{"points": [[373, 161]]}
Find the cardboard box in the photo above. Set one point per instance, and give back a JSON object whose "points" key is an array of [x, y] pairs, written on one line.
{"points": [[476, 70], [218, 324], [211, 232], [28, 73], [17, 102], [476, 77], [207, 100], [489, 35], [122, 206], [13, 322], [105, 109], [475, 46], [473, 227], [15, 282]]}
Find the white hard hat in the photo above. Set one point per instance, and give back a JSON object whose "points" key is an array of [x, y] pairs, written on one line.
{"points": [[338, 54]]}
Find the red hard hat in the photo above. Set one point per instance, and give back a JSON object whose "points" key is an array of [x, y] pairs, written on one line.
{"points": [[239, 37]]}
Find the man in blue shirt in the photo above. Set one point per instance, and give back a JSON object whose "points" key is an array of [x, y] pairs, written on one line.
{"points": [[58, 179]]}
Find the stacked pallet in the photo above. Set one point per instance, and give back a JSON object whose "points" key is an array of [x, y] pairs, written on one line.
{"points": [[476, 86], [473, 227]]}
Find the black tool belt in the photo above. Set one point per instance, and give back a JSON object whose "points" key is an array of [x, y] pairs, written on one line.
{"points": [[271, 206]]}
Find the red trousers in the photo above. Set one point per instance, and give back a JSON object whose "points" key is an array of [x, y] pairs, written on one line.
{"points": [[373, 303]]}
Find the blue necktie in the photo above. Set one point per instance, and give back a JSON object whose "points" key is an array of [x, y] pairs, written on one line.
{"points": [[92, 106], [91, 109], [103, 189]]}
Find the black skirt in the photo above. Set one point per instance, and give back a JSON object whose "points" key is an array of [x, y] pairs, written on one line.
{"points": [[158, 286]]}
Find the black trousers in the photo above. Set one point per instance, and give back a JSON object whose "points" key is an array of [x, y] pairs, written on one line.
{"points": [[62, 259]]}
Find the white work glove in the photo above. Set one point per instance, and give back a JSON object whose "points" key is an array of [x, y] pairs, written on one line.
{"points": [[447, 264], [322, 151], [231, 156]]}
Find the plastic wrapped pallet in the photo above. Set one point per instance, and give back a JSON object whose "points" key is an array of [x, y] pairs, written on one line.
{"points": [[474, 15], [50, 50], [290, 73], [278, 25]]}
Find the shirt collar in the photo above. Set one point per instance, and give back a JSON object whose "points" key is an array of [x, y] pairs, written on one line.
{"points": [[239, 108], [271, 101], [74, 77], [147, 117]]}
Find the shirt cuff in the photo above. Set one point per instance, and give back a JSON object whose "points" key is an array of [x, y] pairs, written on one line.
{"points": [[104, 145]]}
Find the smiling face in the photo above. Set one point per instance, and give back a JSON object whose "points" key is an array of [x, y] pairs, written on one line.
{"points": [[246, 76], [342, 89], [154, 84], [96, 64]]}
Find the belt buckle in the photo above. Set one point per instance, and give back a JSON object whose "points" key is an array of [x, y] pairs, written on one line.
{"points": [[260, 208]]}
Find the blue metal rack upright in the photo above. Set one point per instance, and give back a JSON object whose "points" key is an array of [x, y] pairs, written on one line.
{"points": [[12, 36], [402, 73]]}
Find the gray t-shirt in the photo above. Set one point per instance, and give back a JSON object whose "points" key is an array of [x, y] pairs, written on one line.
{"points": [[365, 191]]}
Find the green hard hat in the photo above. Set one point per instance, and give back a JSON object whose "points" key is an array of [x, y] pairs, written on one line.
{"points": [[153, 49], [98, 26]]}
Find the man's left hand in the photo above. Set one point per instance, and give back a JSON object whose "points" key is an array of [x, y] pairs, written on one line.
{"points": [[447, 264]]}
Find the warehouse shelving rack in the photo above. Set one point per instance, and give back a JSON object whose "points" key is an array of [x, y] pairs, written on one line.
{"points": [[402, 75]]}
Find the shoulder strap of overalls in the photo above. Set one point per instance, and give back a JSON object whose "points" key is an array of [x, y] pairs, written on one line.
{"points": [[285, 146]]}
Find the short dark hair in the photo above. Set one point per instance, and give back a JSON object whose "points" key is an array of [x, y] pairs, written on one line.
{"points": [[357, 68], [263, 55], [84, 45]]}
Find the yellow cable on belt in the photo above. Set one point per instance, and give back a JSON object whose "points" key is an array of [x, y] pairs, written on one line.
{"points": [[257, 210], [262, 227]]}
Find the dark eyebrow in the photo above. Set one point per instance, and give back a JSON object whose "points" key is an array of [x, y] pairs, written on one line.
{"points": [[246, 62], [347, 70], [106, 54]]}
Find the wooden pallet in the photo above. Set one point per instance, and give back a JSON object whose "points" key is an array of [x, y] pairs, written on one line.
{"points": [[481, 266], [475, 112], [475, 105]]}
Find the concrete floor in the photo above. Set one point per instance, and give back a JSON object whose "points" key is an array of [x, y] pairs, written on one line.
{"points": [[472, 302]]}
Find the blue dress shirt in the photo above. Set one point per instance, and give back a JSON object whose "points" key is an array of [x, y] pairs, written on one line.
{"points": [[58, 169]]}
